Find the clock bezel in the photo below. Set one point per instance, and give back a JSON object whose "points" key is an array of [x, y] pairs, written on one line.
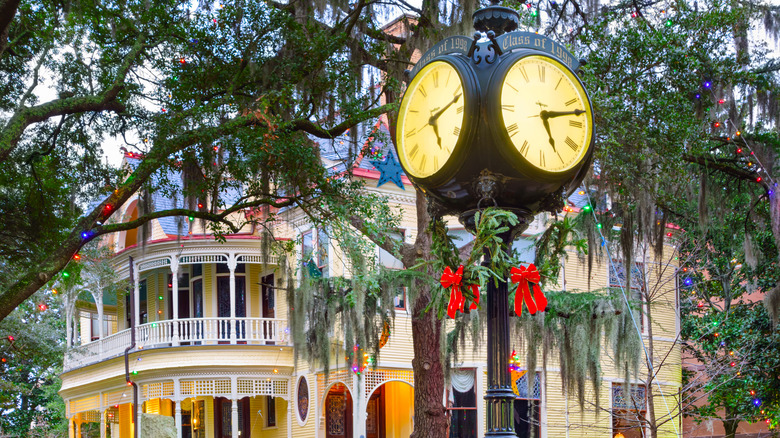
{"points": [[454, 162], [506, 146]]}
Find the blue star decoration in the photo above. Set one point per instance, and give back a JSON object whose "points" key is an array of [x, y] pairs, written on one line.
{"points": [[389, 169]]}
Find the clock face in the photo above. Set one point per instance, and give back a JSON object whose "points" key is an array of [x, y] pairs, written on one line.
{"points": [[546, 114], [430, 119]]}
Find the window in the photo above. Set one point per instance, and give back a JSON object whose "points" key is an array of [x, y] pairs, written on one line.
{"points": [[463, 404], [399, 301], [617, 279], [628, 412], [94, 326], [142, 299], [315, 253], [184, 295], [270, 408], [527, 413], [323, 242], [388, 260]]}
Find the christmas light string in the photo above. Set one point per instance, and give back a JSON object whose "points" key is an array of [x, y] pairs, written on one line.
{"points": [[630, 311], [713, 331]]}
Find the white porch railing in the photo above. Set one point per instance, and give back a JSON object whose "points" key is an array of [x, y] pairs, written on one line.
{"points": [[193, 331]]}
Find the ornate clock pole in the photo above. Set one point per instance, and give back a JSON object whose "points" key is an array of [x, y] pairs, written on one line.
{"points": [[504, 122]]}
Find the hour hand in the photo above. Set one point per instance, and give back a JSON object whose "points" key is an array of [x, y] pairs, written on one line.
{"points": [[551, 114], [435, 127], [549, 134]]}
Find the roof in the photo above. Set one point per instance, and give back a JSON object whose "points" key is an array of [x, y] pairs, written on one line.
{"points": [[171, 196]]}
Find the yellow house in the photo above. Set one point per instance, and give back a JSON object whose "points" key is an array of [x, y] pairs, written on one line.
{"points": [[211, 355]]}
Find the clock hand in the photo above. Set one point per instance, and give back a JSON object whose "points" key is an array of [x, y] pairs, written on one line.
{"points": [[547, 127], [551, 114], [435, 127], [434, 117]]}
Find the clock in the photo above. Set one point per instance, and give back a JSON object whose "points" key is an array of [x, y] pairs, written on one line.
{"points": [[435, 120], [543, 115]]}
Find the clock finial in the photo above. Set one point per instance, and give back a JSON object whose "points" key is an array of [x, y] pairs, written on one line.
{"points": [[499, 19]]}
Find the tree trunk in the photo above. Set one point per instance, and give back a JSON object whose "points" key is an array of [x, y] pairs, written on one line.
{"points": [[730, 426], [430, 420]]}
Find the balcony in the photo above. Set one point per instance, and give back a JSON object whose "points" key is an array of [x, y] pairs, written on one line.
{"points": [[176, 332]]}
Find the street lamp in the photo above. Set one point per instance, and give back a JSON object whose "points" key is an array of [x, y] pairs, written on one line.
{"points": [[499, 121]]}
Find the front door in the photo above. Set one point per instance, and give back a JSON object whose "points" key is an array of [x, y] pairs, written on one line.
{"points": [[338, 413], [375, 415]]}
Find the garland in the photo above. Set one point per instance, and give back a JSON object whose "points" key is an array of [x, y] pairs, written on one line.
{"points": [[579, 326]]}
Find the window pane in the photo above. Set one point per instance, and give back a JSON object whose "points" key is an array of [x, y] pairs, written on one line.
{"points": [[388, 260], [322, 248], [307, 248]]}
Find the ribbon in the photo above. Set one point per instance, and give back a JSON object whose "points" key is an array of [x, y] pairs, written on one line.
{"points": [[522, 276], [475, 292], [450, 279]]}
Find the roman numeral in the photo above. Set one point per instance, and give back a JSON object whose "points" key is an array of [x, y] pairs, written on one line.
{"points": [[411, 133], [541, 159], [523, 72], [524, 148], [448, 78], [571, 102], [435, 163], [510, 86], [510, 108], [574, 146], [413, 151], [457, 90], [422, 163], [512, 129], [435, 79], [422, 91], [541, 73], [456, 131], [559, 83], [459, 110], [575, 123]]}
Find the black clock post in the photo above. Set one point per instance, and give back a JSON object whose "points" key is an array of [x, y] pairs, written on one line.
{"points": [[519, 145]]}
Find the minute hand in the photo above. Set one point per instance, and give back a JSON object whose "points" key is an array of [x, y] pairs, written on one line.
{"points": [[551, 114]]}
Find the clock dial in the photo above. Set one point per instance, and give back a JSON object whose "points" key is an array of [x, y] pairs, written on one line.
{"points": [[546, 113], [430, 119]]}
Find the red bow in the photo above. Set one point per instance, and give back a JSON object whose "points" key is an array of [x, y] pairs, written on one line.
{"points": [[457, 301], [522, 276]]}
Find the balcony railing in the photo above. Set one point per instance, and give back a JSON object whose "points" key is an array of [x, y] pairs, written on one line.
{"points": [[193, 331]]}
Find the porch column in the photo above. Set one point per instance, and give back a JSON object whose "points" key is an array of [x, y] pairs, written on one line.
{"points": [[71, 427], [102, 423], [358, 407], [175, 298], [78, 428], [177, 412], [234, 417], [137, 297], [177, 419], [232, 263]]}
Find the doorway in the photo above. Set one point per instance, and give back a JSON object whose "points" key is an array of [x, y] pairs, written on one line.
{"points": [[338, 412]]}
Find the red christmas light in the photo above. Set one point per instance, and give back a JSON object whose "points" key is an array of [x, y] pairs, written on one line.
{"points": [[42, 307], [11, 338], [721, 101], [200, 205], [739, 150], [182, 60], [733, 364], [3, 360], [76, 257], [759, 179]]}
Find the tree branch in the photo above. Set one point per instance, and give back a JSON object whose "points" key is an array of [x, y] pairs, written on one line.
{"points": [[105, 101], [8, 10]]}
